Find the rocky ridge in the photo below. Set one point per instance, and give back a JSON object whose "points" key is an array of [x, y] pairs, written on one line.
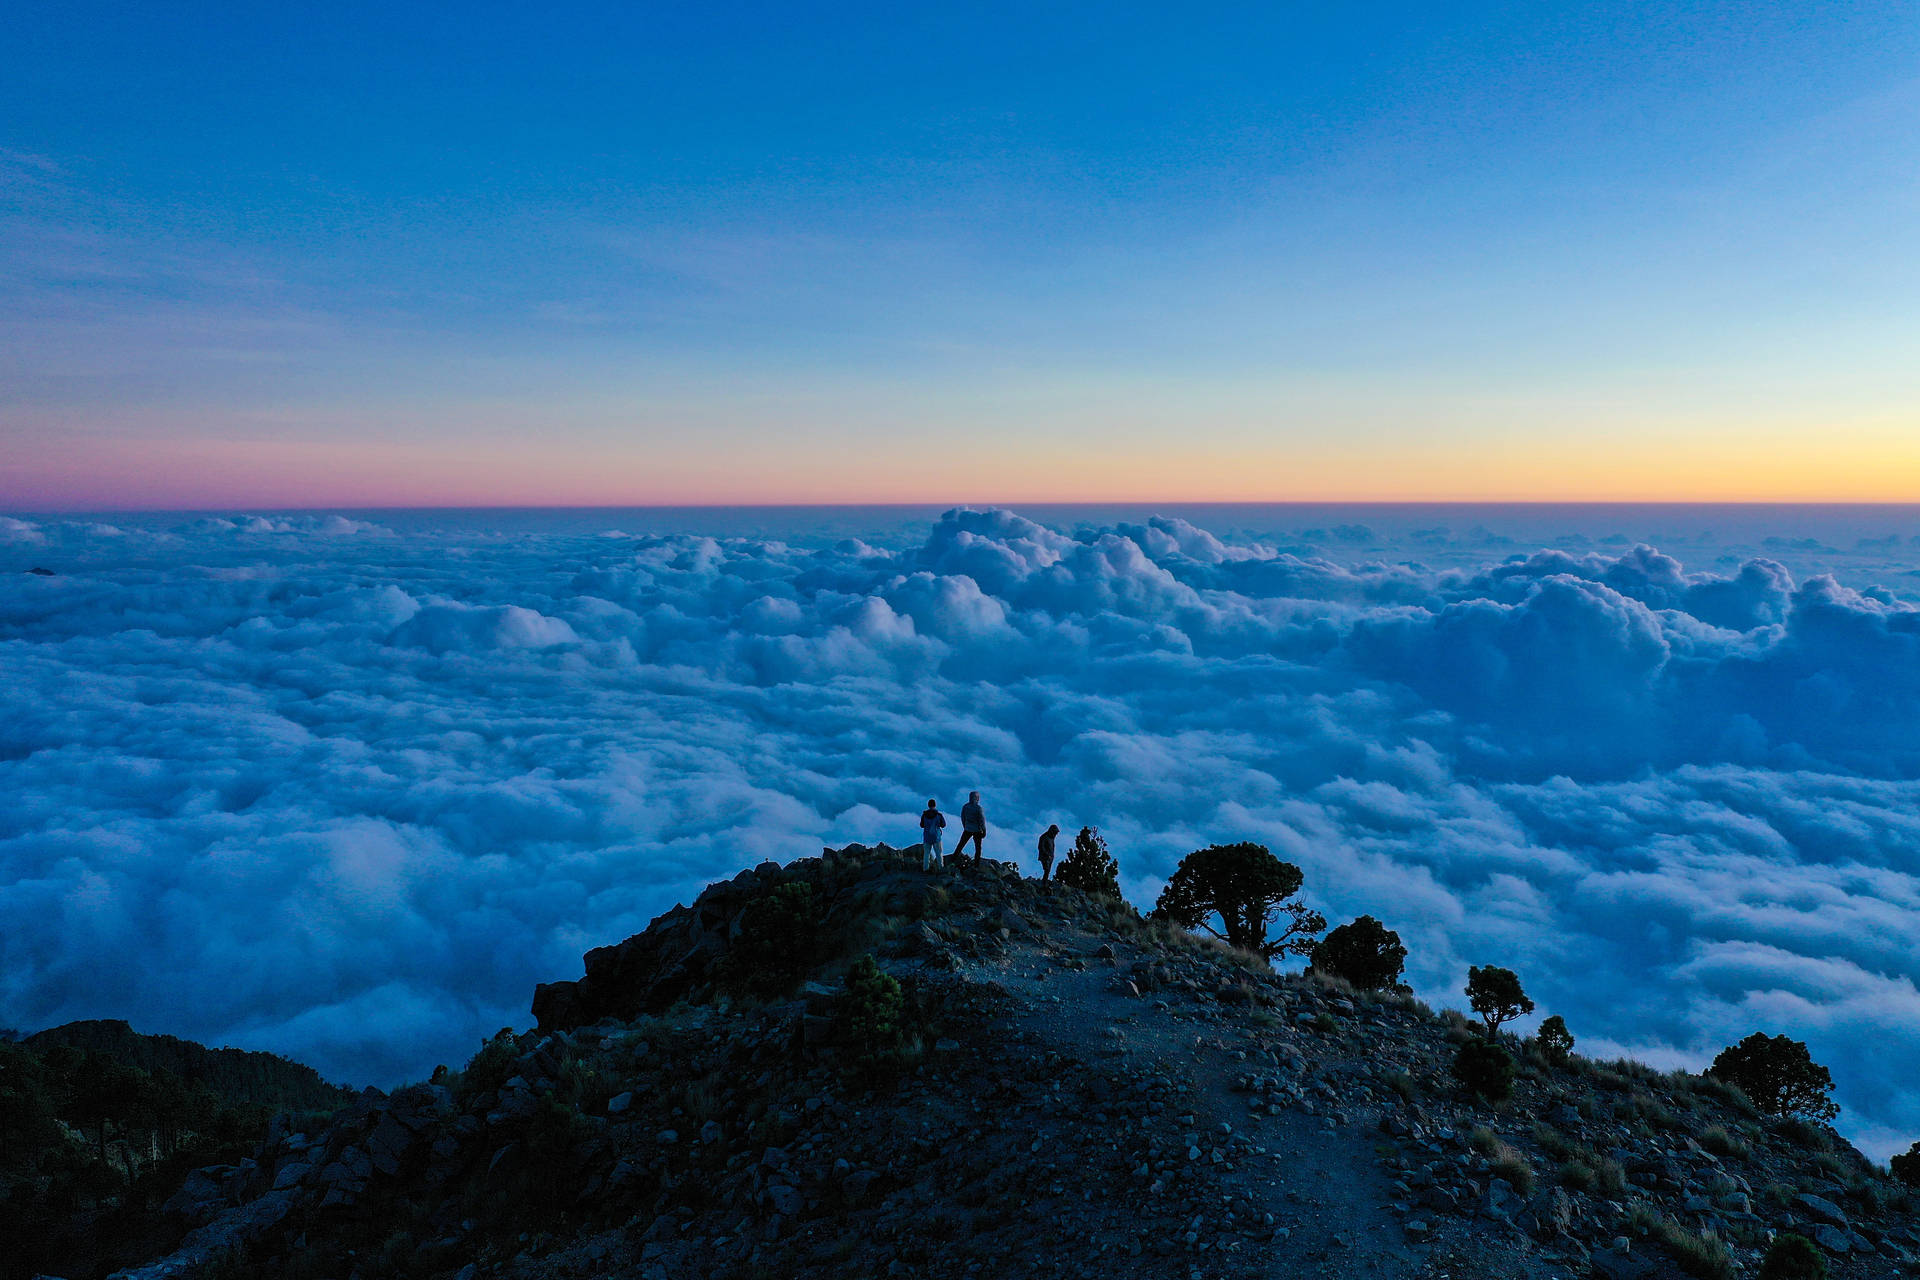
{"points": [[1071, 1090]]}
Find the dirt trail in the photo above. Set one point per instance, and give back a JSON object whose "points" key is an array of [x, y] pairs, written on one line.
{"points": [[1314, 1167]]}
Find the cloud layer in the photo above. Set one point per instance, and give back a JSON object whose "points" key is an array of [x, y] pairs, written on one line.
{"points": [[310, 784]]}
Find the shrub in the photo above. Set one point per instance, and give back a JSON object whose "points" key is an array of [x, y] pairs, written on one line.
{"points": [[1793, 1257], [777, 939], [1495, 995], [873, 1022], [1245, 887], [1906, 1167], [488, 1069], [1485, 1068], [1554, 1040], [1365, 953], [1778, 1075], [1089, 867], [553, 1137]]}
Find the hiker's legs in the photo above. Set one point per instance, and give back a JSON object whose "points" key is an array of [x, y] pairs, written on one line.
{"points": [[960, 850], [929, 854]]}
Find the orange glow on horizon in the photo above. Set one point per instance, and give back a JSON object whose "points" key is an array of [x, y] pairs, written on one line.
{"points": [[1878, 465]]}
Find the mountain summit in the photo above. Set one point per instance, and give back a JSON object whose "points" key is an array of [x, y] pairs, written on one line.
{"points": [[847, 1066]]}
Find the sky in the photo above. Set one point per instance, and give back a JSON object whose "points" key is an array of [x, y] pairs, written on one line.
{"points": [[354, 255], [347, 787]]}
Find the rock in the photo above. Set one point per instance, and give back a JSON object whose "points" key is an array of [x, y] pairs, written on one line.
{"points": [[504, 1159], [711, 1132], [388, 1145], [1820, 1209], [202, 1194], [619, 1103], [292, 1173], [1618, 1264], [1550, 1215], [784, 1200], [1832, 1239]]}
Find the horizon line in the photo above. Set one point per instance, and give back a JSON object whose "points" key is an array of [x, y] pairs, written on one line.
{"points": [[1005, 505]]}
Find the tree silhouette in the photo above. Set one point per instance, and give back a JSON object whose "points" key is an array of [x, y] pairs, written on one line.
{"points": [[1496, 996], [1365, 953], [1554, 1039], [1778, 1076], [1089, 866], [1245, 887]]}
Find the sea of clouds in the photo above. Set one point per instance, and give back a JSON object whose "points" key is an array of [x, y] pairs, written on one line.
{"points": [[347, 788]]}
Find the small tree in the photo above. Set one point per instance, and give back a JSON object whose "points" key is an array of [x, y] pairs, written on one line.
{"points": [[1484, 1068], [1907, 1167], [1495, 995], [1365, 953], [874, 1021], [1089, 866], [1778, 1076], [1793, 1257], [1555, 1041], [1245, 888]]}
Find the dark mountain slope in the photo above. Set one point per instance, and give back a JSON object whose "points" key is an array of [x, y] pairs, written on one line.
{"points": [[1024, 1079]]}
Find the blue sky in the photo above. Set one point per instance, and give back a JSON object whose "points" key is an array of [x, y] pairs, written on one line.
{"points": [[377, 254]]}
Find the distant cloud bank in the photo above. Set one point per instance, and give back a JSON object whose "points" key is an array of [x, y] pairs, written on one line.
{"points": [[312, 785]]}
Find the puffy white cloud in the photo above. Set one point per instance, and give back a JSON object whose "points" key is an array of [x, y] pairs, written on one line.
{"points": [[312, 785]]}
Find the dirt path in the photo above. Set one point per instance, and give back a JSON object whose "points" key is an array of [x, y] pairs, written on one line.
{"points": [[1312, 1170]]}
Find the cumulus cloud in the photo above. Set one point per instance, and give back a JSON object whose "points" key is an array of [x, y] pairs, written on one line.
{"points": [[314, 785]]}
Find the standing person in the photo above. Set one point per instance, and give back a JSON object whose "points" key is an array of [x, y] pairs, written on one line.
{"points": [[931, 823], [1047, 838], [973, 825]]}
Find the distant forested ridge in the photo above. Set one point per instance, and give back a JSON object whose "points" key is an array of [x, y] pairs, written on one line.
{"points": [[99, 1124], [237, 1077]]}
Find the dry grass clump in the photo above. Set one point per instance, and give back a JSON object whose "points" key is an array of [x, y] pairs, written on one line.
{"points": [[1515, 1168], [1805, 1135], [1503, 1160], [1701, 1254], [1723, 1144], [1554, 1143], [1577, 1174]]}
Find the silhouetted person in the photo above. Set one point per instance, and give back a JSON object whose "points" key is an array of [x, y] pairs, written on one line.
{"points": [[931, 823], [1047, 838], [973, 825]]}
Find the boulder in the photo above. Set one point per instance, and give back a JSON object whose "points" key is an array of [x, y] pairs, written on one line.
{"points": [[1821, 1209]]}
